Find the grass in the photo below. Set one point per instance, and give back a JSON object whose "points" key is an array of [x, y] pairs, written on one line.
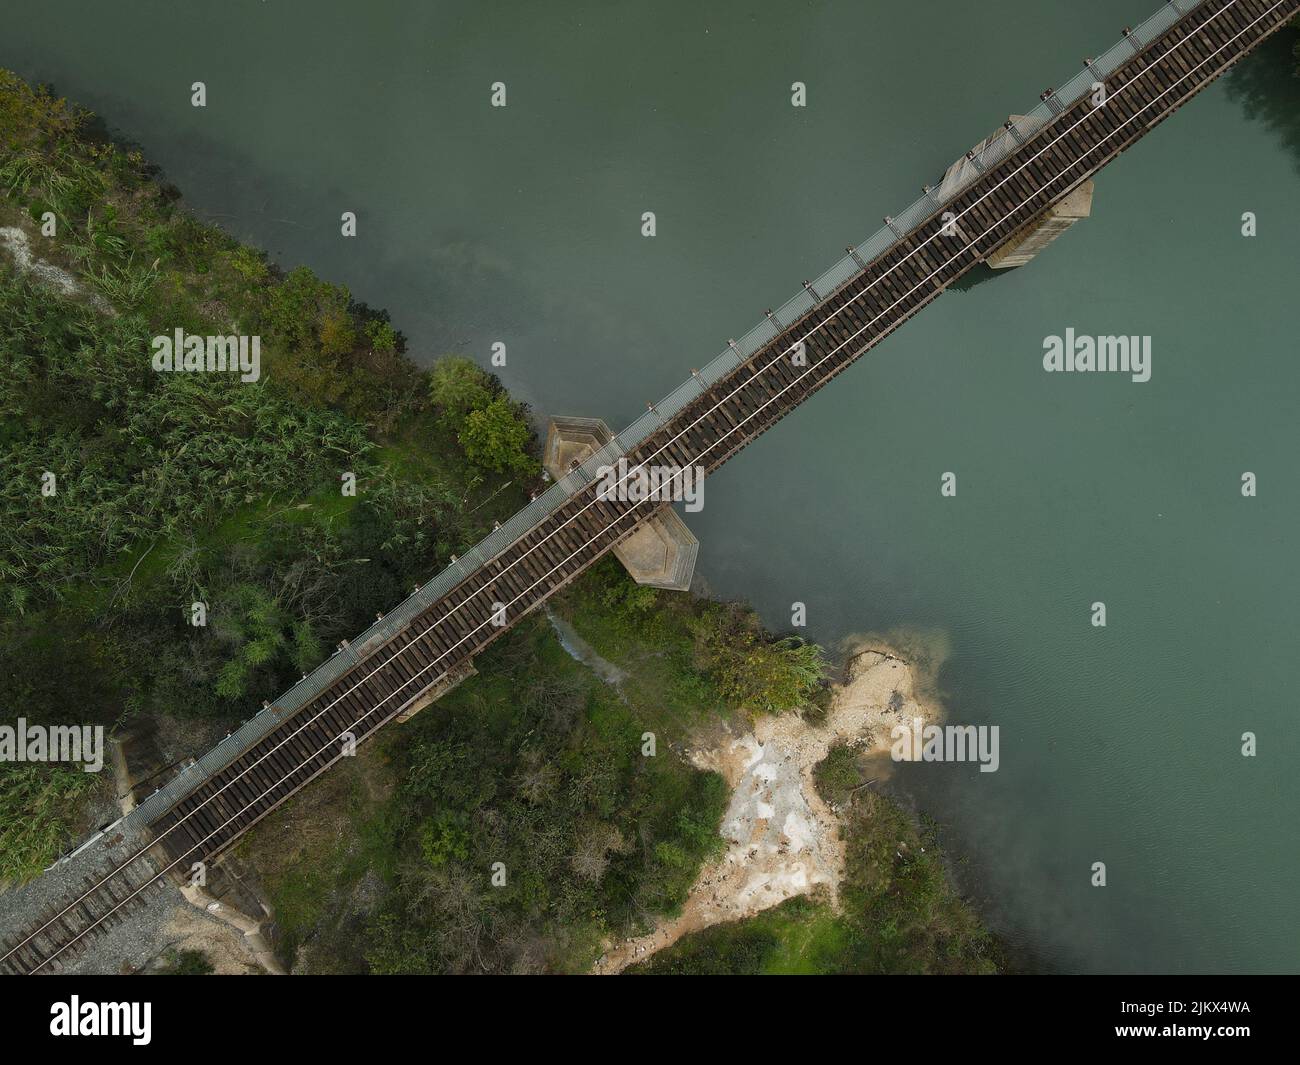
{"points": [[36, 804], [800, 937], [647, 634], [42, 805]]}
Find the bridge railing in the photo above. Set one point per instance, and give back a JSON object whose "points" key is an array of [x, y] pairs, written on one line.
{"points": [[996, 149]]}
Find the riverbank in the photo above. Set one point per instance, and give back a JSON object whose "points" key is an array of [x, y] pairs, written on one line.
{"points": [[209, 538], [784, 838], [195, 542]]}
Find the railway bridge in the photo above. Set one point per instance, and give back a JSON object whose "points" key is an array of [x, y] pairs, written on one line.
{"points": [[428, 642]]}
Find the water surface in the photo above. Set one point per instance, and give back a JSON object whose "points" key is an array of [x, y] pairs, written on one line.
{"points": [[522, 225]]}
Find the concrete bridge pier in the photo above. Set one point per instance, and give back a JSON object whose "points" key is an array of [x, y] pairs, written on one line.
{"points": [[1028, 241], [662, 551], [1039, 232]]}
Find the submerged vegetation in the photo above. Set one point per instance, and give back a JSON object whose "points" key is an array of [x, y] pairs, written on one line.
{"points": [[1267, 86], [179, 546]]}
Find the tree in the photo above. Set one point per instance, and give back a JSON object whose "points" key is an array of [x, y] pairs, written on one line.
{"points": [[458, 386], [336, 332], [496, 438]]}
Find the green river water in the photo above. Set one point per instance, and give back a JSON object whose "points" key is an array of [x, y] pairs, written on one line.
{"points": [[523, 225]]}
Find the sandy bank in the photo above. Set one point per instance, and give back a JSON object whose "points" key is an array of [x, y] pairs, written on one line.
{"points": [[782, 839]]}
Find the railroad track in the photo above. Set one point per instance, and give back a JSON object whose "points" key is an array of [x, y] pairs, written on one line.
{"points": [[104, 895], [803, 356]]}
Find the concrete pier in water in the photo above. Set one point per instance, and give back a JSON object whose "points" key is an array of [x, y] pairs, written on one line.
{"points": [[662, 551]]}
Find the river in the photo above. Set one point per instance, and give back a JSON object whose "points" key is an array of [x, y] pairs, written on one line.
{"points": [[523, 225]]}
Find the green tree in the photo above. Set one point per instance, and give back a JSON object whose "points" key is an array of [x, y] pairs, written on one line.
{"points": [[383, 337], [302, 307], [458, 386], [444, 837], [335, 331], [496, 438]]}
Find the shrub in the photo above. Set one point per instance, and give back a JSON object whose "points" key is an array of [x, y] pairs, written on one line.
{"points": [[188, 963], [837, 774], [751, 669]]}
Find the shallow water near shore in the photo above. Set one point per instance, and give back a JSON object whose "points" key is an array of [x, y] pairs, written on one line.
{"points": [[523, 225]]}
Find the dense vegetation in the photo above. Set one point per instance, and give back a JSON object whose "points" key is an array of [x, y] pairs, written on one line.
{"points": [[899, 913], [172, 489], [539, 766]]}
